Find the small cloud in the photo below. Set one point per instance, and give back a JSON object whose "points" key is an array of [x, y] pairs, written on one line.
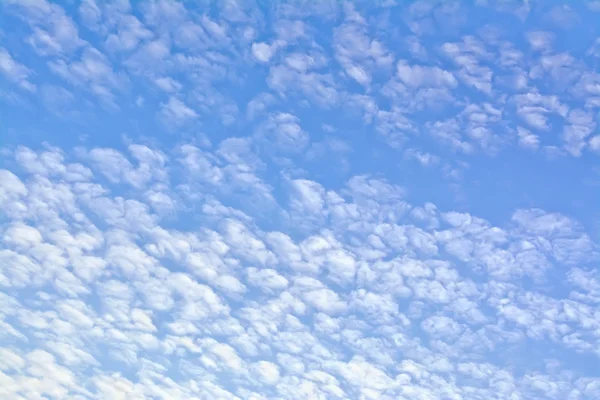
{"points": [[176, 112], [263, 52], [527, 139], [594, 143], [424, 158], [14, 71]]}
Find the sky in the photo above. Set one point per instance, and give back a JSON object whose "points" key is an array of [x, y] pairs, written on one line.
{"points": [[299, 200]]}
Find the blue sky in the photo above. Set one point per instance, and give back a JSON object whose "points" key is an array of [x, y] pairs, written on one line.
{"points": [[299, 200]]}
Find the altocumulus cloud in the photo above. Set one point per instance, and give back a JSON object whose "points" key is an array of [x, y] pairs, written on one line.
{"points": [[302, 200]]}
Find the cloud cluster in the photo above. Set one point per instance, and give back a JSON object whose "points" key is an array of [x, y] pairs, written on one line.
{"points": [[313, 200], [376, 298]]}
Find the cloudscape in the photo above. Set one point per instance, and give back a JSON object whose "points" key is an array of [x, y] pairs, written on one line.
{"points": [[299, 200]]}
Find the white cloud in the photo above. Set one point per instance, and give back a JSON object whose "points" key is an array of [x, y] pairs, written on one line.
{"points": [[425, 159], [307, 196], [93, 72], [15, 71], [286, 133], [53, 32], [130, 33], [263, 52], [527, 139], [468, 55], [540, 40], [581, 125], [319, 88], [150, 57], [175, 112], [267, 372], [116, 168], [368, 228], [594, 143], [357, 53], [419, 76], [266, 279], [168, 84]]}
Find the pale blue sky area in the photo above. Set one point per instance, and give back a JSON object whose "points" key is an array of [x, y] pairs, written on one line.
{"points": [[299, 200]]}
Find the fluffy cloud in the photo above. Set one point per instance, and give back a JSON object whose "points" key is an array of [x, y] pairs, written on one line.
{"points": [[299, 202], [73, 252]]}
